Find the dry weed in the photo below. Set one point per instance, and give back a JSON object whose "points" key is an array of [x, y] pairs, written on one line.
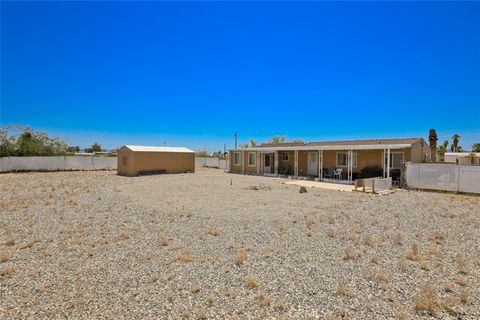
{"points": [[250, 281], [163, 241], [9, 242], [461, 263], [195, 288], [344, 290], [4, 256], [375, 259], [331, 233], [310, 223], [368, 240], [447, 286], [262, 298], [240, 257], [450, 303], [281, 305], [398, 239], [331, 219], [213, 231], [351, 254], [6, 272], [462, 280], [184, 258], [463, 295], [426, 300]]}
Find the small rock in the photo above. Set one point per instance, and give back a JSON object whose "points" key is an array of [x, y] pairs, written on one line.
{"points": [[303, 189]]}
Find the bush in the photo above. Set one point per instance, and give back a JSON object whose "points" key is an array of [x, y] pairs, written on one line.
{"points": [[371, 172], [29, 143]]}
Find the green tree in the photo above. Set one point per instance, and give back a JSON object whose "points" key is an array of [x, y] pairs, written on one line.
{"points": [[476, 147], [202, 153], [455, 139], [277, 139], [251, 144], [29, 143], [96, 147]]}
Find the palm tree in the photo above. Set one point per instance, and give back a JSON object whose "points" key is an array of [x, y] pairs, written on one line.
{"points": [[432, 138], [476, 147], [455, 138], [442, 149]]}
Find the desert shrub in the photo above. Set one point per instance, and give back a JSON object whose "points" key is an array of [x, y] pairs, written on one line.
{"points": [[371, 172]]}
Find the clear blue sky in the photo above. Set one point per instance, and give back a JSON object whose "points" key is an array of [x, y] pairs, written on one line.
{"points": [[193, 73]]}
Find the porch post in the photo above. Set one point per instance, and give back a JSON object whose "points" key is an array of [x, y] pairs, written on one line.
{"points": [[275, 163], [295, 165], [258, 162], [383, 162], [321, 166], [242, 156], [388, 162]]}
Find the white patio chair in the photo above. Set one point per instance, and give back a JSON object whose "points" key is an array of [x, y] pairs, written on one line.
{"points": [[338, 174]]}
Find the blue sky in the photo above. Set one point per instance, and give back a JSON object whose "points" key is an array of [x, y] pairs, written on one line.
{"points": [[194, 73]]}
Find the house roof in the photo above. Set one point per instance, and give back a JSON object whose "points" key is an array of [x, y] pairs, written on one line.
{"points": [[396, 143], [159, 149], [365, 142]]}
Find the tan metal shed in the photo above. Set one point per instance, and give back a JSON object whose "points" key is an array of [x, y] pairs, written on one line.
{"points": [[137, 160]]}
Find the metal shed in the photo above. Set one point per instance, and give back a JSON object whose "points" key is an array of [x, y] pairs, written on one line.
{"points": [[138, 160]]}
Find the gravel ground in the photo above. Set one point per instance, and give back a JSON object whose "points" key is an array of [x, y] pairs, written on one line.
{"points": [[94, 245]]}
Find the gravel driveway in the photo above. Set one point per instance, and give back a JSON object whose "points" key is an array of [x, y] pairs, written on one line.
{"points": [[213, 245]]}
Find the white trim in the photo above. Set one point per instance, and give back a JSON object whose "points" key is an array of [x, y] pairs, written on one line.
{"points": [[346, 165], [248, 159], [239, 157]]}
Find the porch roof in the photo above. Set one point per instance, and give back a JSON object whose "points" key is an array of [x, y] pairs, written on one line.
{"points": [[328, 147]]}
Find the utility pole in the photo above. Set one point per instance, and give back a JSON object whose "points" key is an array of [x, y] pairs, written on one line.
{"points": [[235, 135], [224, 148]]}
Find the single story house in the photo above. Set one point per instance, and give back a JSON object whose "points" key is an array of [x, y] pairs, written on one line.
{"points": [[462, 158], [342, 159], [138, 160]]}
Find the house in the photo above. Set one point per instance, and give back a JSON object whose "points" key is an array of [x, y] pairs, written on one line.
{"points": [[465, 158], [342, 159], [138, 160]]}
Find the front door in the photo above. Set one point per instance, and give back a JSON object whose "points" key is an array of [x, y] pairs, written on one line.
{"points": [[312, 163], [267, 165]]}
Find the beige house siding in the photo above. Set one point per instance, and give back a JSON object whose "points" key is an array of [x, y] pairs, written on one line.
{"points": [[235, 168], [365, 158], [420, 151], [171, 162]]}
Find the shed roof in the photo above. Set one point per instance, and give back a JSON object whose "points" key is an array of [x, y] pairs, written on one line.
{"points": [[159, 149]]}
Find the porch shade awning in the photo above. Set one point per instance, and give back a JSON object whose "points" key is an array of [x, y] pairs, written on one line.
{"points": [[333, 147]]}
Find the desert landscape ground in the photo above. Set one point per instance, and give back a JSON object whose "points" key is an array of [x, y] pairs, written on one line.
{"points": [[213, 245]]}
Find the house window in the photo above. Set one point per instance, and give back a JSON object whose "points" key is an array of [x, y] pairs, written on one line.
{"points": [[124, 161], [252, 159], [342, 159], [284, 156], [236, 158], [396, 159]]}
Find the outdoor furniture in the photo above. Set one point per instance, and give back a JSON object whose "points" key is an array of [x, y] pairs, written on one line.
{"points": [[328, 172], [338, 173], [285, 170]]}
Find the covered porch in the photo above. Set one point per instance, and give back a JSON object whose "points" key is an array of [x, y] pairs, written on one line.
{"points": [[339, 164]]}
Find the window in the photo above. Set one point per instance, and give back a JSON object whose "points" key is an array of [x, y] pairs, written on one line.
{"points": [[342, 159], [124, 161], [236, 158], [284, 156], [396, 159], [252, 159]]}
